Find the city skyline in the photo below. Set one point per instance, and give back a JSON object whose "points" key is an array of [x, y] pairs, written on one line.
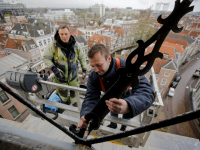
{"points": [[137, 4]]}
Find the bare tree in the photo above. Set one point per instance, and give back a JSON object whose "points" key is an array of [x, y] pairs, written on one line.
{"points": [[90, 9], [64, 17], [89, 15], [144, 29]]}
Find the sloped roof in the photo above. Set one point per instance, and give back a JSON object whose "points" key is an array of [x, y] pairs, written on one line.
{"points": [[10, 61], [29, 43], [2, 38], [99, 38], [195, 25], [171, 65], [90, 44], [180, 37], [91, 23], [165, 50], [188, 20], [13, 44], [194, 33], [158, 63], [81, 39], [75, 32], [121, 32], [178, 47], [31, 28], [39, 20], [176, 41]]}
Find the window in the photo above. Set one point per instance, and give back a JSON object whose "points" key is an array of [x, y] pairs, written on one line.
{"points": [[48, 40], [163, 82], [13, 31], [157, 79], [39, 58], [166, 55], [32, 45], [3, 97], [40, 43], [166, 74], [37, 51], [160, 90], [25, 33], [45, 42], [33, 53], [35, 59], [41, 32], [13, 111]]}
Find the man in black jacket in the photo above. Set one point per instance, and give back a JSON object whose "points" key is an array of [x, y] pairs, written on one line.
{"points": [[133, 102]]}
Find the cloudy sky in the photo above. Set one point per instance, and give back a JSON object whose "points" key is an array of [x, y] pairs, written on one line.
{"points": [[135, 4]]}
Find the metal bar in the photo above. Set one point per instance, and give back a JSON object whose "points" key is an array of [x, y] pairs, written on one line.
{"points": [[33, 108], [175, 120], [78, 100]]}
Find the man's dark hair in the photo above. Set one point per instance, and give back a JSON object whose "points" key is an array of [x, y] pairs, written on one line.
{"points": [[63, 26], [98, 48]]}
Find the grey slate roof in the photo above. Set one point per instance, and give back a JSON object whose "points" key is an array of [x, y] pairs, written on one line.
{"points": [[29, 43], [80, 39], [45, 21], [171, 65], [2, 20], [188, 20], [10, 61], [180, 37], [31, 28]]}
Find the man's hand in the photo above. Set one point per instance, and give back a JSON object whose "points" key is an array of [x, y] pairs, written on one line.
{"points": [[56, 72], [82, 123], [118, 106], [83, 75]]}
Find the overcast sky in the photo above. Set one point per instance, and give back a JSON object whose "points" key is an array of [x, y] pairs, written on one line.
{"points": [[135, 4]]}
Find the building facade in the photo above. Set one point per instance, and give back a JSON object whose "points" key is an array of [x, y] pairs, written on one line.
{"points": [[10, 108], [98, 10], [15, 8], [59, 14]]}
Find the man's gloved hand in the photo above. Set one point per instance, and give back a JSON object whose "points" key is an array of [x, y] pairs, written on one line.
{"points": [[83, 74], [56, 72]]}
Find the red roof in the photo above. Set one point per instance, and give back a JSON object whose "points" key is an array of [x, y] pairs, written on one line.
{"points": [[178, 47], [121, 32], [176, 41], [75, 32], [157, 65], [11, 43], [97, 37], [165, 50]]}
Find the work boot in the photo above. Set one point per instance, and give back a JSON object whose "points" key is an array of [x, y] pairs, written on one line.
{"points": [[110, 126], [68, 102], [123, 128], [75, 104]]}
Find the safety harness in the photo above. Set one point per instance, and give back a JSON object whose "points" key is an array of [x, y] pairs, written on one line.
{"points": [[101, 81], [60, 59]]}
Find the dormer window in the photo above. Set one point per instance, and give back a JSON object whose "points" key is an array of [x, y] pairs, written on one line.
{"points": [[13, 31], [41, 32], [22, 26], [25, 33], [166, 55], [32, 45]]}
